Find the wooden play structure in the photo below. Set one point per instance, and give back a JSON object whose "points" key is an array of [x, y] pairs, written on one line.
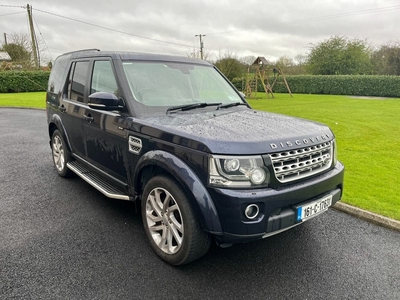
{"points": [[260, 71]]}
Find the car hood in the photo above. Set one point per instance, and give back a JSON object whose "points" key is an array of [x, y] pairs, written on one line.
{"points": [[237, 131]]}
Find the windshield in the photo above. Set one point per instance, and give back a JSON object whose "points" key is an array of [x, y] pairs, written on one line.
{"points": [[167, 84]]}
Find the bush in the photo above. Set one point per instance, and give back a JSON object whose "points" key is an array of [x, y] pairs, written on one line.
{"points": [[237, 82], [24, 81], [357, 85]]}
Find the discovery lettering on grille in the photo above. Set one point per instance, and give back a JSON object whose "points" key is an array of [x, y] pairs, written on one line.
{"points": [[307, 141]]}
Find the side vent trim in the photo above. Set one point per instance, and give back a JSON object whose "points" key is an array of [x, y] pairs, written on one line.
{"points": [[135, 145]]}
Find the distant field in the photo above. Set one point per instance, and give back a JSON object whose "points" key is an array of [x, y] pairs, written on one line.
{"points": [[367, 131]]}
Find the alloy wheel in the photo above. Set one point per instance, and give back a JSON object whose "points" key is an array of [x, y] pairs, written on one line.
{"points": [[58, 153], [164, 220]]}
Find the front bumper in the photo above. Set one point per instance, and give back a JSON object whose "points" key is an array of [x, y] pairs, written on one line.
{"points": [[277, 206]]}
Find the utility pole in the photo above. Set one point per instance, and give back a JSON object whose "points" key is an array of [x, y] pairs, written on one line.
{"points": [[33, 36], [5, 38], [201, 44]]}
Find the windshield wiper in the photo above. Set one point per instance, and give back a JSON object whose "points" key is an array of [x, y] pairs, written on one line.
{"points": [[230, 105], [191, 106]]}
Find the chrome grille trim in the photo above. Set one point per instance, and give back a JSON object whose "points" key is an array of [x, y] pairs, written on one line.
{"points": [[296, 164]]}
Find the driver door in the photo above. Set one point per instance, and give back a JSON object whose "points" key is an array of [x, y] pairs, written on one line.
{"points": [[106, 140]]}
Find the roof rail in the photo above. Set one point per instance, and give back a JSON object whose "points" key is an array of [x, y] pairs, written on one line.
{"points": [[82, 50]]}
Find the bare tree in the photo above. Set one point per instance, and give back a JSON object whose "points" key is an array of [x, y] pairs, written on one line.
{"points": [[300, 59], [284, 62], [195, 53], [19, 47], [248, 60]]}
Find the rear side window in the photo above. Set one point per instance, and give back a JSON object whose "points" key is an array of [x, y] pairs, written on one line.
{"points": [[57, 74], [78, 75], [103, 79]]}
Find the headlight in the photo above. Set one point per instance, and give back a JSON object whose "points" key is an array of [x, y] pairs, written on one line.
{"points": [[334, 152], [238, 171]]}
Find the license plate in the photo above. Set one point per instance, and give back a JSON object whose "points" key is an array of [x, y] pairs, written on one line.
{"points": [[314, 208]]}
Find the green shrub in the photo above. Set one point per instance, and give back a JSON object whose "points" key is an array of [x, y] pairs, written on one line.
{"points": [[237, 82], [357, 85], [24, 81]]}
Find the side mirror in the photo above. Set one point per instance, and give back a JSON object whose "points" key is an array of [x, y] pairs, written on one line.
{"points": [[242, 95], [105, 101]]}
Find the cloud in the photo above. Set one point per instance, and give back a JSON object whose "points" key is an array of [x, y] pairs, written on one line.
{"points": [[268, 28]]}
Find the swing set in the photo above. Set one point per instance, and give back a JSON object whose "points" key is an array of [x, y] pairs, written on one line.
{"points": [[258, 72]]}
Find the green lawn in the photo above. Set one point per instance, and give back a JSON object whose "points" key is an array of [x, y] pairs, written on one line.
{"points": [[367, 131], [28, 100]]}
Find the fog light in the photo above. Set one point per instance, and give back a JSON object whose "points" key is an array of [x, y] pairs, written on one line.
{"points": [[251, 211]]}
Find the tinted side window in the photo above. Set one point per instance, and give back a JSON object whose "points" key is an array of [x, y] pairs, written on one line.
{"points": [[103, 79], [57, 73], [78, 80]]}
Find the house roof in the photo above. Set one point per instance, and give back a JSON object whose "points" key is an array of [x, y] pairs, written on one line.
{"points": [[261, 61], [4, 56]]}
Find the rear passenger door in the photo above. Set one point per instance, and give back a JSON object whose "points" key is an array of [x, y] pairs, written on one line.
{"points": [[106, 140], [74, 104]]}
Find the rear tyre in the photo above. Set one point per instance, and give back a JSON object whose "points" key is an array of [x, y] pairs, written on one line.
{"points": [[60, 154], [171, 225]]}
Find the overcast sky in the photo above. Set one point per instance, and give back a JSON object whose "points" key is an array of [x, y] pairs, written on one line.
{"points": [[258, 28]]}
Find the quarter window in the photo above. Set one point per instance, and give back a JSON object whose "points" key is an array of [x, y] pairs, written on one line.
{"points": [[57, 74]]}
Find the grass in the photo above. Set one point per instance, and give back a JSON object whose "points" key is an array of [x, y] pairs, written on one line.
{"points": [[368, 142], [26, 100], [366, 131]]}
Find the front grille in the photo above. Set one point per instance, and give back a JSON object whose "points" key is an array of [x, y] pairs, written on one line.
{"points": [[300, 163]]}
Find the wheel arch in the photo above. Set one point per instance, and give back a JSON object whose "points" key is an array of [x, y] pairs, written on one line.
{"points": [[54, 124], [160, 162]]}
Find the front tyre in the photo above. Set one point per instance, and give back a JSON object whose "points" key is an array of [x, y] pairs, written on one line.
{"points": [[170, 223], [60, 154]]}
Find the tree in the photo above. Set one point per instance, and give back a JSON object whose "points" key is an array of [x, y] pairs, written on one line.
{"points": [[340, 56], [292, 66], [230, 66], [386, 60], [284, 62], [19, 47], [248, 60], [195, 53], [300, 64], [301, 59], [17, 52]]}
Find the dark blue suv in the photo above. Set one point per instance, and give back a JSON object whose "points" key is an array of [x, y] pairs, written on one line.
{"points": [[174, 134]]}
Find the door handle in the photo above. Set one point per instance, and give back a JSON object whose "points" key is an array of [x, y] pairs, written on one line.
{"points": [[88, 118], [62, 108]]}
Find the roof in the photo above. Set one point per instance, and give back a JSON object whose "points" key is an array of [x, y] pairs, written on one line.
{"points": [[135, 56], [4, 56], [261, 61]]}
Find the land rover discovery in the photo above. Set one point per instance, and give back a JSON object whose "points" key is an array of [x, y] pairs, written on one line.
{"points": [[175, 135]]}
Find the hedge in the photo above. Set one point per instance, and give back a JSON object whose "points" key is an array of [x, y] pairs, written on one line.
{"points": [[23, 81], [358, 85]]}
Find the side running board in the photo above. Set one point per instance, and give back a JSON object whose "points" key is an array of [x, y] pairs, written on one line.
{"points": [[96, 181]]}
